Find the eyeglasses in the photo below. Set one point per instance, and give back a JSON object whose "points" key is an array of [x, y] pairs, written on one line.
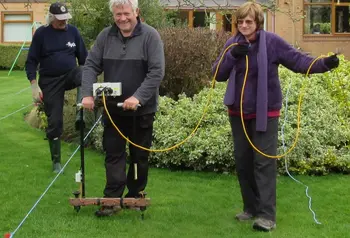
{"points": [[248, 22]]}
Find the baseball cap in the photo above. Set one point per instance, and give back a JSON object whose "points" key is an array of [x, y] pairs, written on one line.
{"points": [[60, 11]]}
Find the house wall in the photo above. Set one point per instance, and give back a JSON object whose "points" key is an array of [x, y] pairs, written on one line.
{"points": [[279, 23], [313, 44], [38, 10], [292, 31]]}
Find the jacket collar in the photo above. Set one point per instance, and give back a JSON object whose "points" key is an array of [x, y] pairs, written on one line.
{"points": [[241, 39], [115, 31], [65, 29]]}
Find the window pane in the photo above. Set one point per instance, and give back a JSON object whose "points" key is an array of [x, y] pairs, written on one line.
{"points": [[317, 20], [183, 15], [15, 17], [342, 19], [318, 1], [341, 1], [201, 19], [17, 32], [227, 22], [212, 20]]}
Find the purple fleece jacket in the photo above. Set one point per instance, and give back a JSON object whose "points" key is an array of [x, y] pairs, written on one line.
{"points": [[278, 51]]}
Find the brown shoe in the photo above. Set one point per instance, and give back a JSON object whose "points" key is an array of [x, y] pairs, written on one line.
{"points": [[106, 211], [262, 224], [244, 216]]}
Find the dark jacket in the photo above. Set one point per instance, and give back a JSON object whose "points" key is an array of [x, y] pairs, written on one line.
{"points": [[138, 63], [55, 51], [278, 52]]}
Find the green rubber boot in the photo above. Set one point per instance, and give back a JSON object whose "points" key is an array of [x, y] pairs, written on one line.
{"points": [[55, 149]]}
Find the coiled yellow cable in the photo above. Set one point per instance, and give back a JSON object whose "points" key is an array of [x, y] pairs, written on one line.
{"points": [[206, 109], [298, 114]]}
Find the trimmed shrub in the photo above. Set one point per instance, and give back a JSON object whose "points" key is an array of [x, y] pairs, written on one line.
{"points": [[323, 145], [211, 146], [189, 55], [8, 56], [324, 141]]}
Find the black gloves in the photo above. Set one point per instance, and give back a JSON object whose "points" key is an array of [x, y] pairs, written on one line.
{"points": [[239, 50], [331, 61]]}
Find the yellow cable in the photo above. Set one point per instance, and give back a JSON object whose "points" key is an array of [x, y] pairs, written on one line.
{"points": [[298, 114], [194, 130], [206, 109]]}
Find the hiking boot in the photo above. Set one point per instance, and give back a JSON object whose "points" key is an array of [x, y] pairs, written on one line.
{"points": [[106, 211], [262, 224], [244, 216], [56, 167], [141, 194]]}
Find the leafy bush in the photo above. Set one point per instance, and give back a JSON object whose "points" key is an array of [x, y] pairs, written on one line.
{"points": [[323, 144], [189, 54], [70, 134], [324, 140], [37, 118], [8, 56], [152, 13], [337, 84], [91, 16], [211, 146]]}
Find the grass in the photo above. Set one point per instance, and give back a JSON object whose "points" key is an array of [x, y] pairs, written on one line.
{"points": [[184, 204]]}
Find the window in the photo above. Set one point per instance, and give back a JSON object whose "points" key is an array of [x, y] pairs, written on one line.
{"points": [[201, 19], [16, 26], [342, 19], [227, 22], [183, 15], [327, 17]]}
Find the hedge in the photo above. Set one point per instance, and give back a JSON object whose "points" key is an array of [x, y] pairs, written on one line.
{"points": [[8, 56]]}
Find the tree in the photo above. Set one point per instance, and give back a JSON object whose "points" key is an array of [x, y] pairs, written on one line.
{"points": [[91, 16]]}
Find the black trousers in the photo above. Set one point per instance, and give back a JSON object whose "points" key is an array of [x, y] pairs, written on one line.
{"points": [[53, 89], [256, 173], [139, 130]]}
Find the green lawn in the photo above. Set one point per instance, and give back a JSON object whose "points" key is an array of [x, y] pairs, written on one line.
{"points": [[184, 204]]}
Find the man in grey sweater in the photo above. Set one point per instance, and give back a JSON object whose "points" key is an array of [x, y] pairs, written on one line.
{"points": [[129, 52]]}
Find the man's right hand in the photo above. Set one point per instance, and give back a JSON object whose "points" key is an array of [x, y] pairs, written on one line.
{"points": [[37, 94], [88, 103]]}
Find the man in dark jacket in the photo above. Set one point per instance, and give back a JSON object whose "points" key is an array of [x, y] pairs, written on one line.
{"points": [[55, 48], [129, 52]]}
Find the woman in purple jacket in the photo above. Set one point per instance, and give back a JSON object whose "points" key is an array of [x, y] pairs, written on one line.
{"points": [[261, 107]]}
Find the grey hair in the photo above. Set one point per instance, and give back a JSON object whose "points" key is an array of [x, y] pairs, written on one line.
{"points": [[49, 18], [134, 4]]}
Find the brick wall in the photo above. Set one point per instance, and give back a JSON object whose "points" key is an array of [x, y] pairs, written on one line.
{"points": [[313, 44]]}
